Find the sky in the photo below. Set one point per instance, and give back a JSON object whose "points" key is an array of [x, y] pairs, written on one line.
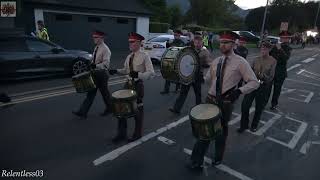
{"points": [[250, 4]]}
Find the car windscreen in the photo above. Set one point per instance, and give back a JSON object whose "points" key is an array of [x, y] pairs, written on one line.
{"points": [[159, 39]]}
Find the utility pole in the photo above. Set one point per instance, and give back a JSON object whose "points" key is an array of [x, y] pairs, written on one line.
{"points": [[264, 19], [315, 22]]}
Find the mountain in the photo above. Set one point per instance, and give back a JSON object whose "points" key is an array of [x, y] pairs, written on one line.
{"points": [[185, 6]]}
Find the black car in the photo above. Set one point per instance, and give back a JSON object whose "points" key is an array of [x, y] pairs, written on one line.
{"points": [[28, 57], [250, 37]]}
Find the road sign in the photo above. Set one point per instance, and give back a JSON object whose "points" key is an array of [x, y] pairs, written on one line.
{"points": [[8, 9]]}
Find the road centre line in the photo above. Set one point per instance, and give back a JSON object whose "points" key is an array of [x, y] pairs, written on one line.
{"points": [[166, 140], [222, 167], [49, 95], [315, 55], [302, 82]]}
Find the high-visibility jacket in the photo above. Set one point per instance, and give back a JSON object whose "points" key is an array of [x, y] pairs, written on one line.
{"points": [[206, 40], [43, 34]]}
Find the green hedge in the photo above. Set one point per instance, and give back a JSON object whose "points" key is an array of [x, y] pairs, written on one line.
{"points": [[194, 27]]}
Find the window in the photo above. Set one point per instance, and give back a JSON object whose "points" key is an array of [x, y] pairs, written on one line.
{"points": [[94, 19], [122, 21], [63, 17], [159, 39], [35, 45], [12, 45]]}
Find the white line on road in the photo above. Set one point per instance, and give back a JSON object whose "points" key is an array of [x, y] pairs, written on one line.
{"points": [[121, 150], [238, 118], [165, 140], [293, 67], [222, 167], [308, 60], [302, 82], [315, 55]]}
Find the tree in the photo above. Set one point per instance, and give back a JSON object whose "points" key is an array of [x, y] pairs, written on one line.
{"points": [[175, 16]]}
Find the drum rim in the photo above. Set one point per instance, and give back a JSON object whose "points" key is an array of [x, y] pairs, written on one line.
{"points": [[131, 97], [191, 117], [81, 74]]}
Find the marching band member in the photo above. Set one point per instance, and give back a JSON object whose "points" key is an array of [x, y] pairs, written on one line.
{"points": [[223, 77], [264, 68], [138, 67], [100, 64], [204, 57]]}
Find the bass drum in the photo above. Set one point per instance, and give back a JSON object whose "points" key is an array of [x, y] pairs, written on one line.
{"points": [[180, 64]]}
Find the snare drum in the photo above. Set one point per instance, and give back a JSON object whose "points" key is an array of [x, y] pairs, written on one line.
{"points": [[180, 64], [83, 82], [205, 121], [124, 103]]}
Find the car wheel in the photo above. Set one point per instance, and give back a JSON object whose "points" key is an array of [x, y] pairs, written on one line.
{"points": [[79, 66]]}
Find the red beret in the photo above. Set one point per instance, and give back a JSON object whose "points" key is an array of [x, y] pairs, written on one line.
{"points": [[228, 36], [177, 31], [98, 33], [135, 36], [242, 39]]}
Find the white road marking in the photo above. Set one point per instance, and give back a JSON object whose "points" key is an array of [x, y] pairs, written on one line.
{"points": [[308, 60], [166, 140], [49, 95], [286, 90], [307, 145], [293, 67], [315, 55], [302, 82], [123, 149], [222, 167], [301, 71], [297, 135], [268, 124], [310, 76], [306, 98]]}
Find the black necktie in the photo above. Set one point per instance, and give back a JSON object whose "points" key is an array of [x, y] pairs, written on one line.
{"points": [[131, 62], [219, 81], [95, 54]]}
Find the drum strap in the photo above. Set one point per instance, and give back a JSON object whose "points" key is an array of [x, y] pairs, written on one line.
{"points": [[131, 70], [219, 82]]}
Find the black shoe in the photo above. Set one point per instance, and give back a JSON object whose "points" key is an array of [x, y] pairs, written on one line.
{"points": [[105, 113], [77, 113], [216, 162], [134, 138], [119, 138], [194, 167], [253, 129], [164, 92], [174, 111], [241, 130]]}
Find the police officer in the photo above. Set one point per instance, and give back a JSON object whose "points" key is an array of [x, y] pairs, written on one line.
{"points": [[204, 57], [177, 42], [223, 77], [100, 65], [138, 67], [43, 32], [241, 49], [281, 52], [264, 68]]}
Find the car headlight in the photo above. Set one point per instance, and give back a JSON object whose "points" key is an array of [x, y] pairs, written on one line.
{"points": [[87, 56]]}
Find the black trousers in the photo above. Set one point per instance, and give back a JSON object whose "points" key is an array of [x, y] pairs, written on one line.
{"points": [[201, 146], [167, 86], [100, 78], [122, 122], [277, 86], [184, 93], [261, 97]]}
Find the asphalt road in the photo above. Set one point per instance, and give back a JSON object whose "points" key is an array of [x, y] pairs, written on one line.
{"points": [[38, 132]]}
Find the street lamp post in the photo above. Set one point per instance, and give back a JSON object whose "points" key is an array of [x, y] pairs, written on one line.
{"points": [[315, 22], [264, 19]]}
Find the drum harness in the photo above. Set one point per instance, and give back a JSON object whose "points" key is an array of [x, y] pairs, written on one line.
{"points": [[131, 81]]}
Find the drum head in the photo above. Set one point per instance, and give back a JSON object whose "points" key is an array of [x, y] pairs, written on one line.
{"points": [[204, 111], [124, 93], [188, 65]]}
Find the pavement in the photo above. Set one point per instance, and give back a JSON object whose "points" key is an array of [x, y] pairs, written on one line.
{"points": [[39, 134]]}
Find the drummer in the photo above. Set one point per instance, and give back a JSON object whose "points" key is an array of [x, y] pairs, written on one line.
{"points": [[223, 77], [177, 42], [138, 67], [205, 58], [100, 64]]}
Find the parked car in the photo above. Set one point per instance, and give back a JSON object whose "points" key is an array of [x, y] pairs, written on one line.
{"points": [[28, 57], [250, 37], [156, 46], [273, 39]]}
